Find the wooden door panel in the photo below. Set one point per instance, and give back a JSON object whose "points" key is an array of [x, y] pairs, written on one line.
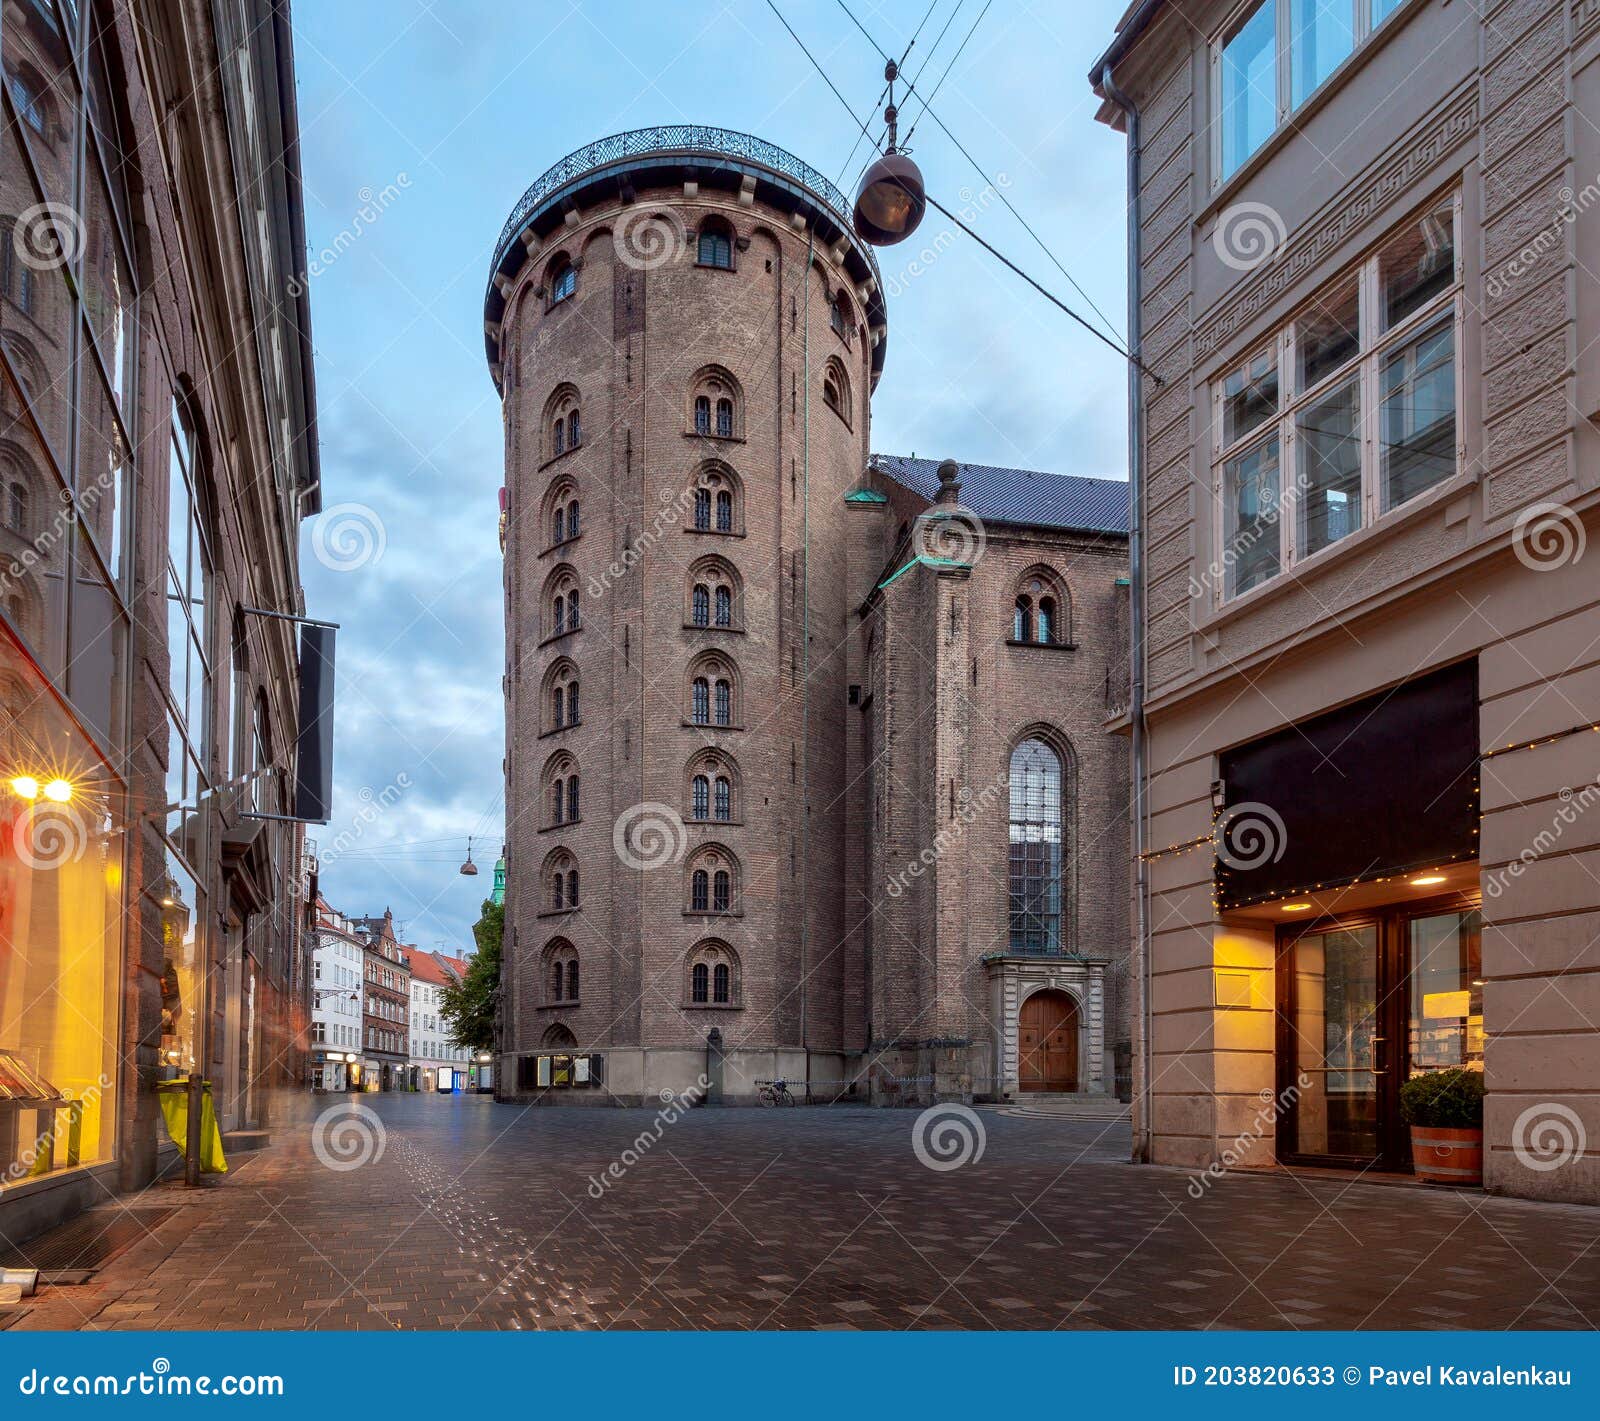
{"points": [[1047, 1042]]}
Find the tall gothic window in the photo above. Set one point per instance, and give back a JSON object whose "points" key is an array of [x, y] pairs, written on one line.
{"points": [[1035, 850]]}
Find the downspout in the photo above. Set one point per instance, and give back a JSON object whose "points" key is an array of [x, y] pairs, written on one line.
{"points": [[805, 656], [1136, 608]]}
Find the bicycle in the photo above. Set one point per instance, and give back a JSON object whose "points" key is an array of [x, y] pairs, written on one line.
{"points": [[776, 1093]]}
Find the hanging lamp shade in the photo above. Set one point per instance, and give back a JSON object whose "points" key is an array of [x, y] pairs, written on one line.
{"points": [[890, 202], [469, 868]]}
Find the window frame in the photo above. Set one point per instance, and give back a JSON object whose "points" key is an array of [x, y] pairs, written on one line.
{"points": [[1284, 105], [1365, 367]]}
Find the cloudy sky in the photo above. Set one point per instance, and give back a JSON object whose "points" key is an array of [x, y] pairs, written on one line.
{"points": [[421, 125]]}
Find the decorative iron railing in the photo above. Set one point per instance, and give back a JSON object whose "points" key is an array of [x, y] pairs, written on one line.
{"points": [[679, 138]]}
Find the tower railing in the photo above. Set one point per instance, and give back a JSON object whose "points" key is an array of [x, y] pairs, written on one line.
{"points": [[680, 138]]}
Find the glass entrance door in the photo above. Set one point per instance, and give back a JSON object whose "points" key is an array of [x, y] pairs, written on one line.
{"points": [[1335, 1044], [1364, 1004]]}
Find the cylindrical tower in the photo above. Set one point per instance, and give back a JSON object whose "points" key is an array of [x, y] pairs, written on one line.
{"points": [[685, 333]]}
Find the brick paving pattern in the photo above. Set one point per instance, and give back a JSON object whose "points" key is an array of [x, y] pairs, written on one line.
{"points": [[479, 1215]]}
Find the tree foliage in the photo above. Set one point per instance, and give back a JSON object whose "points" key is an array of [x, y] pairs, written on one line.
{"points": [[468, 1006]]}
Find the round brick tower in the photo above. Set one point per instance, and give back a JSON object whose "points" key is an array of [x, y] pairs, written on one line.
{"points": [[685, 334]]}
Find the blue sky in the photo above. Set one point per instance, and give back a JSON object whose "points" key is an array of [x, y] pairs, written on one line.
{"points": [[434, 118]]}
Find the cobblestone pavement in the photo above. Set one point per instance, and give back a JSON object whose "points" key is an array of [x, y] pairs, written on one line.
{"points": [[478, 1215]]}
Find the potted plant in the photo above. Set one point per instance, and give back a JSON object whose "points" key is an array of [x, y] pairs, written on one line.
{"points": [[1445, 1112]]}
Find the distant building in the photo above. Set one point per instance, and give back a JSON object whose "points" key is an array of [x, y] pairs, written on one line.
{"points": [[336, 1000], [385, 1005], [436, 1064]]}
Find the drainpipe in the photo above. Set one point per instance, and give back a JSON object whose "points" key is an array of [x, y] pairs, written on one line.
{"points": [[1136, 605]]}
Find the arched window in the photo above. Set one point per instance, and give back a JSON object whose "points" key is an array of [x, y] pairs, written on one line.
{"points": [[1046, 621], [572, 888], [716, 404], [563, 280], [572, 980], [714, 593], [562, 421], [713, 977], [700, 891], [561, 873], [713, 881], [572, 703], [709, 779], [572, 610], [574, 434], [836, 389], [724, 606], [702, 701], [561, 695], [1036, 828], [702, 605], [558, 802], [558, 526], [702, 510], [558, 981], [724, 511], [572, 797], [1022, 620], [700, 983], [721, 978], [724, 792], [700, 795], [558, 437], [561, 960], [558, 890], [1043, 609], [721, 890], [716, 244], [561, 599], [723, 696], [839, 315], [717, 499], [17, 507]]}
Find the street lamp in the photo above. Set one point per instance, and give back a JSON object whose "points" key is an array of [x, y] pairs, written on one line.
{"points": [[892, 198]]}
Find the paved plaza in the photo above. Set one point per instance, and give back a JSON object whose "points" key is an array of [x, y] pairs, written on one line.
{"points": [[478, 1215]]}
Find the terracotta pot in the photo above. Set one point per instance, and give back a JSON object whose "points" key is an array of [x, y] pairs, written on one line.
{"points": [[1443, 1156]]}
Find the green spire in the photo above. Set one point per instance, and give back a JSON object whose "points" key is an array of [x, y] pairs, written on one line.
{"points": [[499, 894]]}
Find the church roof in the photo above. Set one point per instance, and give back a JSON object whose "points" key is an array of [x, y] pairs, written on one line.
{"points": [[1000, 495]]}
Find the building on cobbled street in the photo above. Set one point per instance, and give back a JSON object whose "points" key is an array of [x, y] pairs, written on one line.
{"points": [[1366, 495], [337, 974], [385, 1004], [436, 1063], [808, 773], [157, 455]]}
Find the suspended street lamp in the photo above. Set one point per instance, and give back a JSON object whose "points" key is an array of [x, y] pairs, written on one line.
{"points": [[469, 869], [892, 198]]}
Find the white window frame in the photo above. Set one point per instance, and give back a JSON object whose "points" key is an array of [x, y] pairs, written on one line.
{"points": [[1285, 106], [1292, 401]]}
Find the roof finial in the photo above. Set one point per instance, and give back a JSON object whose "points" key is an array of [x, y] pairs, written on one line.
{"points": [[949, 482]]}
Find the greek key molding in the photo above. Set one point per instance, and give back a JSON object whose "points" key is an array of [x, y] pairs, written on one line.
{"points": [[1383, 181]]}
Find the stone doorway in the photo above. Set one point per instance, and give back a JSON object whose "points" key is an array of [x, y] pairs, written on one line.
{"points": [[1047, 1040]]}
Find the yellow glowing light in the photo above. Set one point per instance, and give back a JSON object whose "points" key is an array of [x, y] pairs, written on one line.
{"points": [[1295, 907], [58, 790], [26, 786], [1427, 880]]}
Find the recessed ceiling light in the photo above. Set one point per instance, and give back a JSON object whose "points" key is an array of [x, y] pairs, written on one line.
{"points": [[1295, 907], [1427, 880]]}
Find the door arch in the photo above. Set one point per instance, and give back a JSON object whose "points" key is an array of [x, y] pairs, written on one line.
{"points": [[1047, 1042]]}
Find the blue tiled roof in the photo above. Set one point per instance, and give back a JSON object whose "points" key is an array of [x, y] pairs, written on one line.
{"points": [[999, 495]]}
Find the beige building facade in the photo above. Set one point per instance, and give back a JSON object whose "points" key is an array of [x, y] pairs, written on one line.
{"points": [[1369, 841]]}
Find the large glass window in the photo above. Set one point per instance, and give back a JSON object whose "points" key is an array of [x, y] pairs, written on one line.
{"points": [[1035, 848], [1368, 420], [1446, 953], [61, 867], [1275, 55]]}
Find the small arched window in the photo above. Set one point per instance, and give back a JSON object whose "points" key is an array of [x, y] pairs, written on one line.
{"points": [[721, 979], [716, 245], [558, 981], [1045, 623], [558, 526], [572, 798], [1042, 614], [725, 419], [836, 389], [724, 599], [574, 431], [17, 507], [558, 437], [702, 510], [700, 796], [700, 891], [721, 890], [561, 688], [724, 792], [572, 703], [572, 889], [702, 605], [572, 980], [700, 983], [558, 801], [839, 315], [702, 415], [572, 610], [724, 511], [559, 621], [724, 702], [558, 890], [702, 701], [1022, 620], [564, 282]]}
